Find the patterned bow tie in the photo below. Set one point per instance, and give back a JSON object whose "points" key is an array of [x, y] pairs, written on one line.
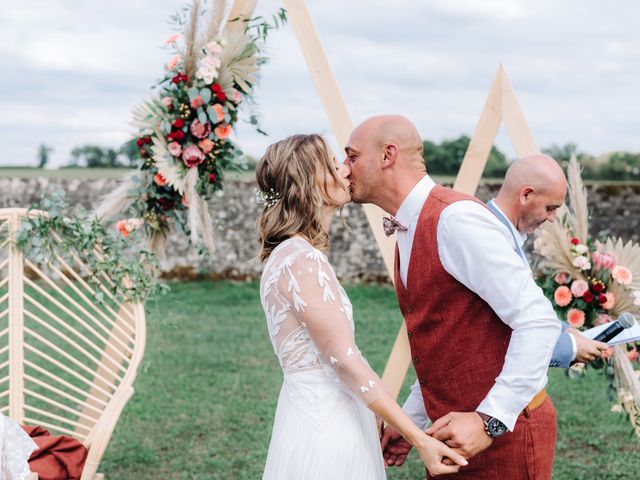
{"points": [[390, 225]]}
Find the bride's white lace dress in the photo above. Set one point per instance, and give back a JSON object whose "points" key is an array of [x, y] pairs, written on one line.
{"points": [[322, 427], [15, 449]]}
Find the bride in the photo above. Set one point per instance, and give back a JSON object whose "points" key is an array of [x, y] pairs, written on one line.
{"points": [[324, 425]]}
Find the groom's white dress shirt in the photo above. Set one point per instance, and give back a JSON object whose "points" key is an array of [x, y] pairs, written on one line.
{"points": [[476, 249]]}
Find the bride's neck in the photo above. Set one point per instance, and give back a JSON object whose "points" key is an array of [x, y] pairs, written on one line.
{"points": [[326, 215]]}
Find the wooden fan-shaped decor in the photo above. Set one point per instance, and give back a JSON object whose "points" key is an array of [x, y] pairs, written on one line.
{"points": [[67, 359]]}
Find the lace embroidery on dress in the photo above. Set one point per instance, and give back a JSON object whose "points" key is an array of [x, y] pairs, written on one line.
{"points": [[15, 449], [310, 318]]}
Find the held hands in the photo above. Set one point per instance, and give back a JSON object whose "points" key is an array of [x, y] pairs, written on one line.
{"points": [[437, 457], [462, 431], [587, 350]]}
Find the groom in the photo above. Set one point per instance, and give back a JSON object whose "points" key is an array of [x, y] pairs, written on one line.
{"points": [[481, 332]]}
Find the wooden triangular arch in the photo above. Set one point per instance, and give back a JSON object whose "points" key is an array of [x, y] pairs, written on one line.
{"points": [[501, 106]]}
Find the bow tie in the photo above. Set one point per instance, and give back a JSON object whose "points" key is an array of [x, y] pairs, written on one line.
{"points": [[390, 225]]}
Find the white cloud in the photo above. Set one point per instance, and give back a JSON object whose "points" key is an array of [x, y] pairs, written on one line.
{"points": [[73, 70]]}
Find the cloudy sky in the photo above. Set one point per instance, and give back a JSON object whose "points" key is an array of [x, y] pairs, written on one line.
{"points": [[73, 70]]}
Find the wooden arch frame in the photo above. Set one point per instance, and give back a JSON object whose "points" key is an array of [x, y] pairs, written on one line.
{"points": [[501, 106]]}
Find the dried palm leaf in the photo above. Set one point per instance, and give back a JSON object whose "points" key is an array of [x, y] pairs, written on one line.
{"points": [[554, 245], [578, 201], [627, 255], [238, 61], [118, 200], [192, 41], [214, 29], [148, 114], [156, 243], [628, 385], [165, 163]]}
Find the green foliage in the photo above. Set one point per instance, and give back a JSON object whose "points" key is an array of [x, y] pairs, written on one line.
{"points": [[131, 268], [208, 387], [445, 158], [95, 156]]}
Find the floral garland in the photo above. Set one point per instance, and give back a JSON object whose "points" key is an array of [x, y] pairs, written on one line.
{"points": [[103, 253], [591, 282], [183, 138]]}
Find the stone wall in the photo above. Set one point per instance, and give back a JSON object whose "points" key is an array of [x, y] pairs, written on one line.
{"points": [[354, 254]]}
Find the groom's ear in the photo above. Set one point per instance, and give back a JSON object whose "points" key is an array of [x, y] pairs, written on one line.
{"points": [[389, 155]]}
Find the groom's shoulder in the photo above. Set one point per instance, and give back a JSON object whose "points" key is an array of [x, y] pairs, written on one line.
{"points": [[448, 196]]}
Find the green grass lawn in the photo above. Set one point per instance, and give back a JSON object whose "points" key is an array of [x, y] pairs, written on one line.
{"points": [[207, 389]]}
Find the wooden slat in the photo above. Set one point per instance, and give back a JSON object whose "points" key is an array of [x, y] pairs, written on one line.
{"points": [[59, 380]]}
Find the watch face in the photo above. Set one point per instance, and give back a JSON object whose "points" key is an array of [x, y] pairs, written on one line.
{"points": [[496, 428]]}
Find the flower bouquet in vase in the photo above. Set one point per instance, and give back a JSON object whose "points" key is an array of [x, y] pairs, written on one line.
{"points": [[590, 282]]}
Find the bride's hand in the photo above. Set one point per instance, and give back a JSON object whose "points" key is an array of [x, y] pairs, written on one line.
{"points": [[433, 452]]}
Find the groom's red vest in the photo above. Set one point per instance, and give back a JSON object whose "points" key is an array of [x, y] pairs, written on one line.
{"points": [[458, 344]]}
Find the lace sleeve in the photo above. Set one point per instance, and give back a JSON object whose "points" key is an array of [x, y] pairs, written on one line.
{"points": [[311, 288]]}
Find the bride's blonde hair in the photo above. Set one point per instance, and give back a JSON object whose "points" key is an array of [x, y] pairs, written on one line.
{"points": [[288, 173]]}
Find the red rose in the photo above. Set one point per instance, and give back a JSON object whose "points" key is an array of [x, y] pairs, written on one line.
{"points": [[144, 152], [176, 135], [140, 142], [178, 123], [588, 297], [166, 204], [221, 96], [212, 177], [147, 140], [598, 287], [575, 241], [602, 298], [176, 79], [216, 88], [184, 77]]}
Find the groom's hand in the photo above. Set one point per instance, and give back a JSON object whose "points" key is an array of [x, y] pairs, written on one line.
{"points": [[462, 431], [394, 447]]}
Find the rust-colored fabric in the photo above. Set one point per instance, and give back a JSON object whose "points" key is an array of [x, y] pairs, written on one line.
{"points": [[458, 346], [525, 454], [57, 457]]}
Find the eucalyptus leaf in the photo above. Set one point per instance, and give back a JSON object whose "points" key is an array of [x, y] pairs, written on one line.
{"points": [[193, 93], [202, 116], [205, 94]]}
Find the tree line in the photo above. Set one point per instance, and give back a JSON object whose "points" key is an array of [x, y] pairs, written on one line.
{"points": [[442, 158]]}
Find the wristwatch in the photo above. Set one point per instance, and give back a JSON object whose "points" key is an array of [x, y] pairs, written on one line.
{"points": [[494, 427]]}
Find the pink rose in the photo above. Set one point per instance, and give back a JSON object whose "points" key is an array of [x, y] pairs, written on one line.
{"points": [[575, 318], [192, 156], [185, 202], [561, 278], [171, 64], [611, 301], [167, 102], [197, 102], [223, 131], [206, 145], [121, 226], [579, 288], [236, 96], [562, 296], [175, 149], [622, 275], [218, 108], [601, 319], [200, 130]]}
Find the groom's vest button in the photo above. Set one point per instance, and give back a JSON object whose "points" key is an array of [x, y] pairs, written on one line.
{"points": [[423, 383], [409, 334], [416, 361], [410, 309]]}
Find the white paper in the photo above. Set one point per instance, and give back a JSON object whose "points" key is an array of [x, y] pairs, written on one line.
{"points": [[631, 334]]}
